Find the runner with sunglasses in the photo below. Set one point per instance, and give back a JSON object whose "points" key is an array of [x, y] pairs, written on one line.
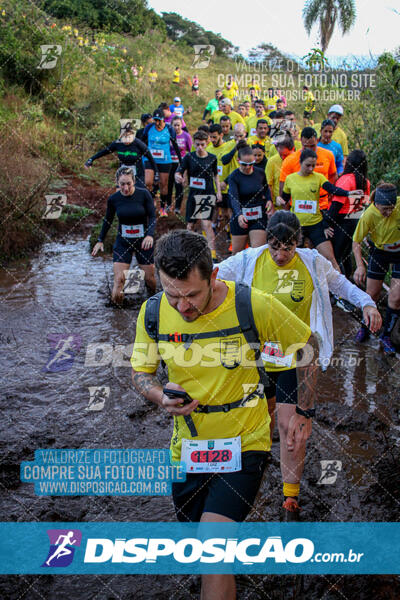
{"points": [[249, 198]]}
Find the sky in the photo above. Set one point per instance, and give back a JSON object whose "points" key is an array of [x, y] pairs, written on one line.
{"points": [[247, 24]]}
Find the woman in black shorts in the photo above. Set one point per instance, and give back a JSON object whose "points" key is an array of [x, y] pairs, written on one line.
{"points": [[136, 223], [249, 198]]}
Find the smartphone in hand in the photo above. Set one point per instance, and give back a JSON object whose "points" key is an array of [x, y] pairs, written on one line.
{"points": [[183, 396]]}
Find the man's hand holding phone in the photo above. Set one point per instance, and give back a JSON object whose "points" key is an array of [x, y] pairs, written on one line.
{"points": [[177, 401]]}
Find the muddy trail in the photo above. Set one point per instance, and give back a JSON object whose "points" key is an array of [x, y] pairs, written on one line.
{"points": [[64, 292]]}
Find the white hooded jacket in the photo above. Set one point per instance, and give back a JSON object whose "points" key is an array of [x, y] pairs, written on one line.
{"points": [[241, 266]]}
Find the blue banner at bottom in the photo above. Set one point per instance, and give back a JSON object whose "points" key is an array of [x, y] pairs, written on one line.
{"points": [[194, 548]]}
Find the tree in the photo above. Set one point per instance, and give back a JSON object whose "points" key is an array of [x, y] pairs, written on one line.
{"points": [[328, 13]]}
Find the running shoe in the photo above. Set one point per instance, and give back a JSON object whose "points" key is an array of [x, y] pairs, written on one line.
{"points": [[290, 510], [162, 212], [387, 345], [361, 335]]}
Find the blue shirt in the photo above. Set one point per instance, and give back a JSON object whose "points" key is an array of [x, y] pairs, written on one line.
{"points": [[177, 110], [337, 152], [159, 142]]}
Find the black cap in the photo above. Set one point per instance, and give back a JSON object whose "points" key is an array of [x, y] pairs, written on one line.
{"points": [[158, 114], [145, 117]]}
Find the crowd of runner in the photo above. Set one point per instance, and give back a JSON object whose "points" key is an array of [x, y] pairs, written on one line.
{"points": [[292, 207]]}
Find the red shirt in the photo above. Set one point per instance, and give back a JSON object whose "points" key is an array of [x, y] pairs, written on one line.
{"points": [[350, 205]]}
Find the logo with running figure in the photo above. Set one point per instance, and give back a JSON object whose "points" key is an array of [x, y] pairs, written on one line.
{"points": [[288, 283], [62, 547], [50, 54], [329, 471], [202, 55], [204, 206], [231, 353], [63, 349]]}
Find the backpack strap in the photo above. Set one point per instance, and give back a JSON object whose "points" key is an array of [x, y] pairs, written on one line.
{"points": [[247, 324], [152, 316]]}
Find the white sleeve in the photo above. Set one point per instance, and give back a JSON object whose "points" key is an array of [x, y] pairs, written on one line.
{"points": [[231, 268]]}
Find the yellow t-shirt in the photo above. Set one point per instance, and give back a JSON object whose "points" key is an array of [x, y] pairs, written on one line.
{"points": [[234, 117], [270, 103], [383, 231], [266, 142], [223, 170], [177, 77], [272, 172], [310, 102], [273, 151], [216, 115], [153, 76], [305, 196], [292, 285], [231, 93], [215, 370], [251, 123], [228, 147]]}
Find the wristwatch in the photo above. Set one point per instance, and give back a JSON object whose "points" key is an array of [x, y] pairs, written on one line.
{"points": [[308, 414]]}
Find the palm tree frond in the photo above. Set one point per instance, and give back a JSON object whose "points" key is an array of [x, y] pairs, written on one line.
{"points": [[311, 13]]}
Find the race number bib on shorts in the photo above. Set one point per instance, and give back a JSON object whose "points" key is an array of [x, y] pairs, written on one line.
{"points": [[393, 247], [254, 212], [132, 231], [219, 170], [197, 183], [212, 456], [272, 354], [305, 206], [157, 153]]}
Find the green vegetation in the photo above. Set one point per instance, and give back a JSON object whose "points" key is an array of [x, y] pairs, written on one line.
{"points": [[53, 119], [328, 14]]}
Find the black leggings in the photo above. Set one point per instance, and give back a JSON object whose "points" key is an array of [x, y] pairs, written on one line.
{"points": [[178, 187], [342, 244]]}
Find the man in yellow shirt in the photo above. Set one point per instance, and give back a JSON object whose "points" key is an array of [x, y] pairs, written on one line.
{"points": [[309, 107], [233, 115], [335, 113], [223, 407], [251, 121], [177, 76], [261, 136], [273, 169], [271, 101], [153, 76], [217, 147]]}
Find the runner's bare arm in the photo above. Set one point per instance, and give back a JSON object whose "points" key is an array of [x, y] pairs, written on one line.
{"points": [[148, 385]]}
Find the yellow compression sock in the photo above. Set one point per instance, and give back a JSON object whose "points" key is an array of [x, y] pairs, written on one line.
{"points": [[291, 489]]}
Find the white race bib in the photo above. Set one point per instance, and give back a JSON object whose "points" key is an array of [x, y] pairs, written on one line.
{"points": [[219, 169], [174, 159], [132, 231], [198, 183], [253, 212], [305, 206], [157, 153], [212, 456], [253, 130], [393, 247], [272, 354]]}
